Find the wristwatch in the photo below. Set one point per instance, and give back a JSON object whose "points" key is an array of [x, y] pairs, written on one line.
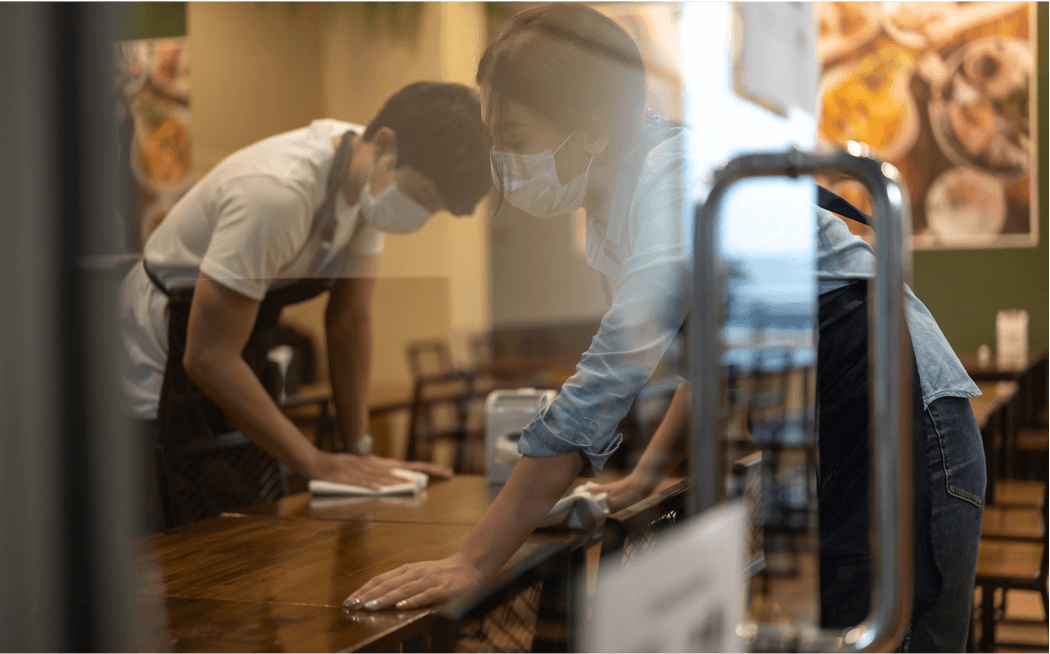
{"points": [[363, 445]]}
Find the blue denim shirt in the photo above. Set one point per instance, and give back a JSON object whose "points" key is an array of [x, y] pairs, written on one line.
{"points": [[644, 248]]}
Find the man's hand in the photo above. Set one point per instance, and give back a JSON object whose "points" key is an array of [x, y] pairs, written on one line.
{"points": [[415, 585], [369, 471]]}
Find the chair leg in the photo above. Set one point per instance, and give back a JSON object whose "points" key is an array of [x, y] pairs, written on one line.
{"points": [[283, 472], [987, 619]]}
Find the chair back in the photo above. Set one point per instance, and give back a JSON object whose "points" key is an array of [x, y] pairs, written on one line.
{"points": [[429, 357]]}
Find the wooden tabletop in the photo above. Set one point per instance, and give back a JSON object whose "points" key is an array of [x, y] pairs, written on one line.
{"points": [[277, 584], [993, 371], [994, 396], [461, 500]]}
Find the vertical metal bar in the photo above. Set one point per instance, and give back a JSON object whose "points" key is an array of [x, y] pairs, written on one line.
{"points": [[705, 345], [890, 381], [66, 526]]}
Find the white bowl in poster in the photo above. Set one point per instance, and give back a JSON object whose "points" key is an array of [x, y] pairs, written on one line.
{"points": [[965, 206]]}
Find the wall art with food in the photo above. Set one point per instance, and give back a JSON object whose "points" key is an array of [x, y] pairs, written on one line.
{"points": [[153, 114], [946, 92]]}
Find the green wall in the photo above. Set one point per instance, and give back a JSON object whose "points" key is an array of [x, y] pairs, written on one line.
{"points": [[964, 288], [153, 20]]}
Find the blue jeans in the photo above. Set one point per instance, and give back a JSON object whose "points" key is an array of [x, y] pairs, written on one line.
{"points": [[948, 484], [957, 483]]}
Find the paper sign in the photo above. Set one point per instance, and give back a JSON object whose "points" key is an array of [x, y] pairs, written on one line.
{"points": [[775, 54], [683, 596], [1011, 338]]}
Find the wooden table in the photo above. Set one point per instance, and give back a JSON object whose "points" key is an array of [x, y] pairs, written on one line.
{"points": [[461, 500], [993, 411], [273, 577], [1031, 378]]}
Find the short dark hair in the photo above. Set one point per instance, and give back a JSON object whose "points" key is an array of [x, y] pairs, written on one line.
{"points": [[440, 133]]}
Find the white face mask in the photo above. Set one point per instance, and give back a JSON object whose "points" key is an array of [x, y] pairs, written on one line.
{"points": [[392, 211], [530, 182]]}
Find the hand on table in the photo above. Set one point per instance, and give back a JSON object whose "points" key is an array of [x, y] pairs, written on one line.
{"points": [[370, 471], [415, 585]]}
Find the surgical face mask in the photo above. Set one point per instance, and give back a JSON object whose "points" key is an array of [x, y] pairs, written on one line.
{"points": [[392, 210], [530, 182]]}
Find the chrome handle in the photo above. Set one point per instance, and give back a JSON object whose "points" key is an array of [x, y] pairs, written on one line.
{"points": [[890, 375]]}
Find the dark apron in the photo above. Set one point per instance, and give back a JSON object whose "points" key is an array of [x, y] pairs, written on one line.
{"points": [[201, 475]]}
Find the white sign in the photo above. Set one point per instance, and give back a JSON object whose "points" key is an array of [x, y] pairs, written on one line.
{"points": [[686, 595], [775, 54], [1011, 338]]}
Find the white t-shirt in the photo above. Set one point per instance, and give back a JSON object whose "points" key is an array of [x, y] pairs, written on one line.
{"points": [[248, 225]]}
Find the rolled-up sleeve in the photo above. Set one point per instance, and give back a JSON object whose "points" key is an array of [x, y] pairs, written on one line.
{"points": [[648, 307]]}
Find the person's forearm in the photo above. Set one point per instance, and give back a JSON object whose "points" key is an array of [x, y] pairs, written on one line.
{"points": [[234, 387], [667, 447], [349, 364], [535, 485]]}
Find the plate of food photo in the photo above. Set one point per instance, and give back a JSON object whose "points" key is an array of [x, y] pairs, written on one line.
{"points": [[979, 111], [132, 66], [869, 101], [965, 206], [844, 27], [160, 145], [170, 69], [907, 22]]}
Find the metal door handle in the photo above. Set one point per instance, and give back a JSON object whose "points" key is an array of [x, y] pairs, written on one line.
{"points": [[890, 374]]}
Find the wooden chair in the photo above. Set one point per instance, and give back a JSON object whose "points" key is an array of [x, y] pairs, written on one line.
{"points": [[1012, 523], [1030, 448], [1009, 565], [528, 607], [429, 357], [441, 409]]}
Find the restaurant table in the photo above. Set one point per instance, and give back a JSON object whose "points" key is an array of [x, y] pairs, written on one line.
{"points": [[273, 576], [242, 583], [460, 500], [1031, 378], [992, 410]]}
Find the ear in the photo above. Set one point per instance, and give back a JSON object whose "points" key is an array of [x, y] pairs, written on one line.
{"points": [[384, 141], [595, 145]]}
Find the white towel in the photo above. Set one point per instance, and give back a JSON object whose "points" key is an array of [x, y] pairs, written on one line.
{"points": [[417, 482], [580, 509]]}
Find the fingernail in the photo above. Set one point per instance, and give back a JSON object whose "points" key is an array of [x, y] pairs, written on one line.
{"points": [[402, 604], [372, 605], [351, 603]]}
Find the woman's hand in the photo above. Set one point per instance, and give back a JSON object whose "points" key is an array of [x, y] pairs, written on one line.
{"points": [[632, 489], [415, 585], [369, 471]]}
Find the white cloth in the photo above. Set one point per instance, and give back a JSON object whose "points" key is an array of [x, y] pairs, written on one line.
{"points": [[417, 483], [580, 509], [249, 226]]}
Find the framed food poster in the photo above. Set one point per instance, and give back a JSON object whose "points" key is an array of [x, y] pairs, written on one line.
{"points": [[153, 113], [946, 92]]}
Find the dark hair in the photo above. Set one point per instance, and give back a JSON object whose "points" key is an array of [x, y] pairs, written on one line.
{"points": [[441, 134], [573, 65]]}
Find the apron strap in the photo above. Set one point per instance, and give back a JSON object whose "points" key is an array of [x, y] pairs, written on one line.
{"points": [[835, 204]]}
